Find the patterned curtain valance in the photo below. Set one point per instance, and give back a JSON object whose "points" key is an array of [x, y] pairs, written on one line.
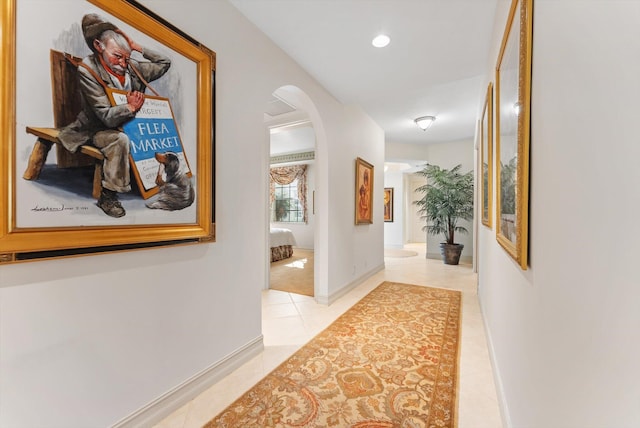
{"points": [[284, 175]]}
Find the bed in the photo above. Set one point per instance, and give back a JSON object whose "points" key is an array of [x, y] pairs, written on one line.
{"points": [[281, 242]]}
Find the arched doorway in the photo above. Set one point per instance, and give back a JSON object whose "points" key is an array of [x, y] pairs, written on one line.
{"points": [[293, 114]]}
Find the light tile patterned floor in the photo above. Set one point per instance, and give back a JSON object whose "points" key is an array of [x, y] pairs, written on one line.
{"points": [[290, 320]]}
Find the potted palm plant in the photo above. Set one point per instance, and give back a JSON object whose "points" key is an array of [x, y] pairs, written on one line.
{"points": [[447, 198]]}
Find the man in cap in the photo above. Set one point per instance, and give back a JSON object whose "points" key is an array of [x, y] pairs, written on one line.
{"points": [[110, 66]]}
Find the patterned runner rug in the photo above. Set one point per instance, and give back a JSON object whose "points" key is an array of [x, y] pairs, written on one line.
{"points": [[389, 361]]}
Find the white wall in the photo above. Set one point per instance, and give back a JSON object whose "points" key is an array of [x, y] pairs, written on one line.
{"points": [[399, 152], [414, 155], [87, 341], [564, 333], [413, 219], [355, 250]]}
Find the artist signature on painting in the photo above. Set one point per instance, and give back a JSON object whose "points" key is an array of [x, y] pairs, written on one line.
{"points": [[48, 209]]}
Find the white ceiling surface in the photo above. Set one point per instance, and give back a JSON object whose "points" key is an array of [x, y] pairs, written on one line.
{"points": [[292, 140], [434, 65]]}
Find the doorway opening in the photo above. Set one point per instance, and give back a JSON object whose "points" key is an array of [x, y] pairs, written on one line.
{"points": [[292, 182], [404, 225]]}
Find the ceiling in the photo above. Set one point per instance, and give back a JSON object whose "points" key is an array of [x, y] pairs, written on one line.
{"points": [[435, 64], [292, 139]]}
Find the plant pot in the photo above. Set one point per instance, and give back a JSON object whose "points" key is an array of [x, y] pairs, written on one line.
{"points": [[451, 253]]}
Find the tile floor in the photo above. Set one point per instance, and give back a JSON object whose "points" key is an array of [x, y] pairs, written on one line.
{"points": [[290, 320]]}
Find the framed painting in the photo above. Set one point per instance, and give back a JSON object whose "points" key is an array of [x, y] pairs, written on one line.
{"points": [[513, 101], [101, 104], [486, 148], [388, 204], [364, 192]]}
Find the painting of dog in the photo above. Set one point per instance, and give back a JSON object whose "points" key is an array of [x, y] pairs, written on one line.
{"points": [[175, 187]]}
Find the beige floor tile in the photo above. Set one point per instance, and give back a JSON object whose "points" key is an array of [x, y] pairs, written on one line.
{"points": [[301, 298], [279, 310], [176, 419], [284, 331], [270, 297], [273, 356]]}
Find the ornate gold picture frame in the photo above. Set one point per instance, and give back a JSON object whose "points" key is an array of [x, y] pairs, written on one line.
{"points": [[388, 204], [513, 101], [486, 149], [364, 192], [49, 210]]}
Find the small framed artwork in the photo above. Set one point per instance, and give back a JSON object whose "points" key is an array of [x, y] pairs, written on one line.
{"points": [[364, 192], [101, 109], [388, 204], [486, 135], [513, 101]]}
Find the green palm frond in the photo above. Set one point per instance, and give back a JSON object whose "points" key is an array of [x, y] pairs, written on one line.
{"points": [[447, 198]]}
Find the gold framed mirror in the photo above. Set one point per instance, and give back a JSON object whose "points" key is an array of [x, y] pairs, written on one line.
{"points": [[512, 106], [486, 156]]}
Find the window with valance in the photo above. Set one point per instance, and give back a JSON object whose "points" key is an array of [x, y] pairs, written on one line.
{"points": [[288, 193]]}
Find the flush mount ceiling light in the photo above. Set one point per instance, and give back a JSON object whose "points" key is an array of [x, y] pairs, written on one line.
{"points": [[381, 41], [425, 122]]}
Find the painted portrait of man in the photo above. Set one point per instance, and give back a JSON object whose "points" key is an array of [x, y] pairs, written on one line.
{"points": [[119, 71]]}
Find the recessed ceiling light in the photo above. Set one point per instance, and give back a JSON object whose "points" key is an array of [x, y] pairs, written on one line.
{"points": [[381, 41]]}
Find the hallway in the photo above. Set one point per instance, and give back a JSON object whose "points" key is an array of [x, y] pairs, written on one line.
{"points": [[290, 320]]}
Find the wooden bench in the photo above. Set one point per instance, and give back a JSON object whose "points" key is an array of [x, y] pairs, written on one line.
{"points": [[46, 138], [66, 106]]}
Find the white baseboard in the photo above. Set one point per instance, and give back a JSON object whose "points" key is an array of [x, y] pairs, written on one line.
{"points": [[327, 300], [177, 397], [502, 401]]}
